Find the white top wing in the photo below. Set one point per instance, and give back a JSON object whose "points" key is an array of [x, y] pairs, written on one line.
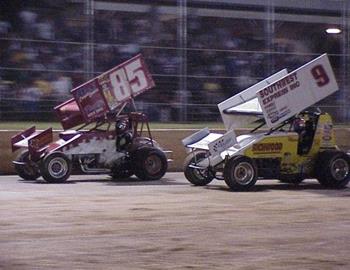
{"points": [[237, 103], [251, 107], [297, 91]]}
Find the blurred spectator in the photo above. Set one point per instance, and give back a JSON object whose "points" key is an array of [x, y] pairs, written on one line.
{"points": [[27, 22], [30, 97], [45, 29], [66, 46], [5, 28], [61, 88]]}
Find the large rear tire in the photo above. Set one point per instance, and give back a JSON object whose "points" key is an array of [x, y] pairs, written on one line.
{"points": [[150, 163], [56, 167], [197, 177], [333, 169], [28, 171], [240, 173]]}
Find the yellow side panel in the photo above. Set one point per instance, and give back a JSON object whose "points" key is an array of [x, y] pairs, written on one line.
{"points": [[284, 147], [324, 136], [274, 146]]}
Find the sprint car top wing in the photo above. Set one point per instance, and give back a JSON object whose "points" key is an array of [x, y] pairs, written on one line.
{"points": [[281, 95], [297, 91], [106, 92], [251, 107], [245, 102]]}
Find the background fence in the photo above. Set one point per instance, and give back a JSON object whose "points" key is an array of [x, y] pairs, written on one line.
{"points": [[199, 52]]}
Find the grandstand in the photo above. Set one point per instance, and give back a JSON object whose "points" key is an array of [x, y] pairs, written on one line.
{"points": [[199, 52]]}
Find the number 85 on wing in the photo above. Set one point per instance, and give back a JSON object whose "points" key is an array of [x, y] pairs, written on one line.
{"points": [[125, 81]]}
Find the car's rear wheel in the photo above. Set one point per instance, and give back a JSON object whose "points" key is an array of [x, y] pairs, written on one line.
{"points": [[197, 176], [240, 173], [56, 167], [333, 169], [150, 163], [29, 170]]}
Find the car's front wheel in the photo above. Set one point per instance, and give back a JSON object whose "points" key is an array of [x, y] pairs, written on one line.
{"points": [[56, 167], [240, 173], [197, 176]]}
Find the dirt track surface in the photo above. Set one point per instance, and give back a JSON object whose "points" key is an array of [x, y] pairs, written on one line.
{"points": [[93, 223]]}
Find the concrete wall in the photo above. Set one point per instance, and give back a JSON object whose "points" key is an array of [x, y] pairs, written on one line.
{"points": [[168, 139]]}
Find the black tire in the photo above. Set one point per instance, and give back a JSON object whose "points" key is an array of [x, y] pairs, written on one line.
{"points": [[240, 173], [56, 167], [195, 176], [150, 163], [122, 169], [332, 169], [29, 171]]}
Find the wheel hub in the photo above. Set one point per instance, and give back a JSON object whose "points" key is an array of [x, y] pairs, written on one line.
{"points": [[57, 167], [340, 169], [153, 164], [244, 173]]}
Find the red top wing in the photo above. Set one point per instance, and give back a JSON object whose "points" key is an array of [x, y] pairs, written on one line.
{"points": [[113, 88], [69, 114]]}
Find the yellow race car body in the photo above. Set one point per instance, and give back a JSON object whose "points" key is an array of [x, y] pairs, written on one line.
{"points": [[299, 142], [295, 154]]}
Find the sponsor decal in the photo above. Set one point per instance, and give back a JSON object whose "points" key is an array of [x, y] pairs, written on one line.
{"points": [[40, 140], [112, 88], [223, 143], [270, 94], [279, 88], [297, 90], [267, 148], [327, 132], [90, 100]]}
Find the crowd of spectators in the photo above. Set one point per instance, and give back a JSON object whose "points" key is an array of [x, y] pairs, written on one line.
{"points": [[45, 51]]}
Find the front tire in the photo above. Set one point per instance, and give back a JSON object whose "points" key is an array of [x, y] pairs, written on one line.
{"points": [[197, 177], [56, 167], [30, 170], [333, 169], [150, 163], [240, 173]]}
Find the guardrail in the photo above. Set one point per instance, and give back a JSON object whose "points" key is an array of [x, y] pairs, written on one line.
{"points": [[168, 139]]}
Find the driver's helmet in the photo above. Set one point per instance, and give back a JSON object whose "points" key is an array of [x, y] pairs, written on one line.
{"points": [[122, 125], [298, 124]]}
